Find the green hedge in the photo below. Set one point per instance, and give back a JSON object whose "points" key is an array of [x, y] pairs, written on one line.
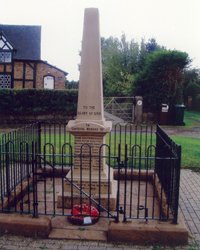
{"points": [[35, 102]]}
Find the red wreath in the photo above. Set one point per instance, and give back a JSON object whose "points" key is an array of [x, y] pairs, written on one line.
{"points": [[80, 212]]}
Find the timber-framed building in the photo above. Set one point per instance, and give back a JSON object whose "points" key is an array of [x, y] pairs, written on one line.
{"points": [[20, 60]]}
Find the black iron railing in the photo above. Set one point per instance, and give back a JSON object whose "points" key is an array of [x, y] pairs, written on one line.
{"points": [[37, 173], [167, 168], [15, 156]]}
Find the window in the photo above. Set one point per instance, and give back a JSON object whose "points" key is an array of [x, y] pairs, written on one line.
{"points": [[5, 50], [5, 57], [4, 44], [48, 82], [5, 81]]}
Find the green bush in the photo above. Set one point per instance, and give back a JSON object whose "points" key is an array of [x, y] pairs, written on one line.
{"points": [[35, 102], [161, 80]]}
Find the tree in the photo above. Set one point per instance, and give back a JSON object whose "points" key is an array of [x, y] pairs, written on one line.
{"points": [[161, 80], [71, 84], [147, 48], [152, 46], [122, 60], [119, 59], [191, 83]]}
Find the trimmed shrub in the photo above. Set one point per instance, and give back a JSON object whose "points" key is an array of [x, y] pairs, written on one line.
{"points": [[36, 102]]}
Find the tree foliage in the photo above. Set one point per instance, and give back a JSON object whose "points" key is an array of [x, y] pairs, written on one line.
{"points": [[147, 48], [119, 59], [147, 69], [192, 87], [161, 80], [71, 84], [122, 60]]}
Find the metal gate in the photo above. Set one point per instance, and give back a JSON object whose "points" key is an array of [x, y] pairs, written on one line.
{"points": [[128, 109]]}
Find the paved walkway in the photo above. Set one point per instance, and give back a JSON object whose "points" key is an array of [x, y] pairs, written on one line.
{"points": [[189, 207], [15, 243], [190, 202]]}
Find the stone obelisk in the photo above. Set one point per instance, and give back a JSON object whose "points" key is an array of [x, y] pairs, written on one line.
{"points": [[90, 99], [89, 128]]}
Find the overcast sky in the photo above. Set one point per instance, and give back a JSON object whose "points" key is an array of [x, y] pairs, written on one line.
{"points": [[173, 23]]}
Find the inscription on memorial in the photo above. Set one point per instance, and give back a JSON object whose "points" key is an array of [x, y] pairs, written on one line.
{"points": [[77, 129], [88, 127], [89, 110]]}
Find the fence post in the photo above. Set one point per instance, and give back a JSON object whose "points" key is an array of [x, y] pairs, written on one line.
{"points": [[158, 146], [34, 165], [39, 146], [125, 181], [118, 182], [160, 152], [7, 172], [178, 173], [138, 109]]}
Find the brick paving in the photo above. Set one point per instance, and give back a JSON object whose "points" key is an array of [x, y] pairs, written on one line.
{"points": [[22, 243], [190, 202], [189, 207]]}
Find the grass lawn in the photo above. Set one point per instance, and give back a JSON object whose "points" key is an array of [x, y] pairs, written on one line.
{"points": [[190, 151], [191, 119], [190, 145]]}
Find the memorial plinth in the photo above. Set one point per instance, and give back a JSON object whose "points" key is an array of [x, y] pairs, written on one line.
{"points": [[90, 171]]}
